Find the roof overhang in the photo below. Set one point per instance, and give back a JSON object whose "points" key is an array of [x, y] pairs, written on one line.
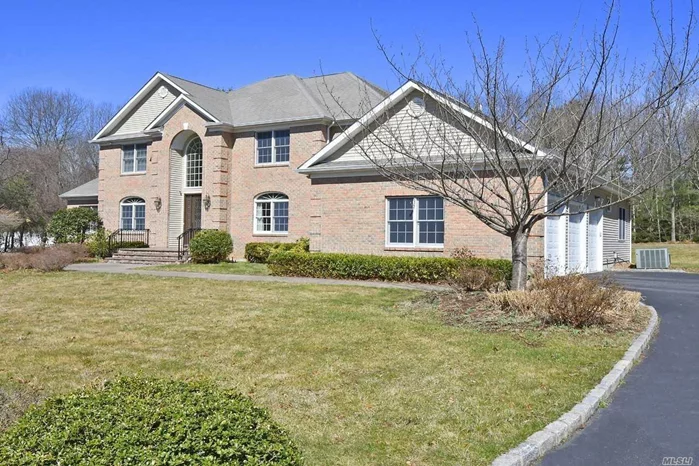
{"points": [[397, 96], [133, 102], [175, 105], [143, 136]]}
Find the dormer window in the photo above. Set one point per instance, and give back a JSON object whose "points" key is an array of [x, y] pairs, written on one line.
{"points": [[273, 147], [133, 158]]}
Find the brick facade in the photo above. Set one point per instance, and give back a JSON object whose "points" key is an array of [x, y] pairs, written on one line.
{"points": [[339, 215]]}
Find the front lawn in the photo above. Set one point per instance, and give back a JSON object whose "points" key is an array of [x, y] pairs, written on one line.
{"points": [[356, 375], [235, 268], [683, 256]]}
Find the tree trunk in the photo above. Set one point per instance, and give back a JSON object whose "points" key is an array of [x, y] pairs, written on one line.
{"points": [[519, 260], [673, 217]]}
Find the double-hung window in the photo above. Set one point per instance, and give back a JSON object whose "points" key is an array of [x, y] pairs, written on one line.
{"points": [[272, 214], [415, 222], [133, 158], [622, 224], [273, 147]]}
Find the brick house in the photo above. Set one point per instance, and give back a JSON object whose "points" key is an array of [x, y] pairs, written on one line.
{"points": [[271, 161]]}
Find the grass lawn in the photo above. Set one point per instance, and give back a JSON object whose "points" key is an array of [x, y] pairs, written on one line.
{"points": [[355, 374], [683, 256], [236, 268]]}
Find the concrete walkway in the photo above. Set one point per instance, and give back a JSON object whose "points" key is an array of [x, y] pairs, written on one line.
{"points": [[104, 267], [654, 415]]}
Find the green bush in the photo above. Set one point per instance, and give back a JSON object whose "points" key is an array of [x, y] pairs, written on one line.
{"points": [[260, 252], [148, 421], [365, 267], [210, 247], [72, 225], [98, 244]]}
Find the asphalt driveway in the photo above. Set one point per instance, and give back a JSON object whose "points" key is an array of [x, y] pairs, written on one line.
{"points": [[655, 413]]}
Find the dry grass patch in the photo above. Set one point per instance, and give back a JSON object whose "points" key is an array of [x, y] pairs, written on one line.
{"points": [[355, 375]]}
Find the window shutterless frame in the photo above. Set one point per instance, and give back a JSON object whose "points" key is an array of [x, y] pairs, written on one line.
{"points": [[278, 150], [134, 158], [271, 209], [433, 204]]}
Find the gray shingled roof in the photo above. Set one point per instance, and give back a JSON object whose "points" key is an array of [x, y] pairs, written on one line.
{"points": [[84, 190], [287, 98]]}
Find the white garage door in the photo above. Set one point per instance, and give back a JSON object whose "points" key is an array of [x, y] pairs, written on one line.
{"points": [[577, 238], [556, 244], [594, 242]]}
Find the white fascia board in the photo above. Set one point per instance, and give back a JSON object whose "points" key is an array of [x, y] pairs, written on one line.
{"points": [[175, 105], [391, 100], [135, 100], [357, 126]]}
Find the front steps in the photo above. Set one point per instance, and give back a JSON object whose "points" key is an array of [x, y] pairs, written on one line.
{"points": [[145, 256]]}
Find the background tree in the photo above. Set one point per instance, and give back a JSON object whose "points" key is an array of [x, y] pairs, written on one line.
{"points": [[578, 116]]}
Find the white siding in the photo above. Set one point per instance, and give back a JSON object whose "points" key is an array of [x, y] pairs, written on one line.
{"points": [[428, 135], [612, 243], [149, 109], [176, 208]]}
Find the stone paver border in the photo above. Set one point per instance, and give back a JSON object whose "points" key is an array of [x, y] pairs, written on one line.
{"points": [[545, 440]]}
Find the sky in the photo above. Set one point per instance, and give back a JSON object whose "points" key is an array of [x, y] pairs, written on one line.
{"points": [[105, 51]]}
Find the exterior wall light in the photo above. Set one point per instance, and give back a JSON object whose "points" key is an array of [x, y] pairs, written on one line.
{"points": [[207, 202], [158, 203]]}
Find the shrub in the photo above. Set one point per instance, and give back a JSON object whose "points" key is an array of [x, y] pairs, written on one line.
{"points": [[367, 267], [473, 274], [45, 259], [148, 421], [72, 225], [98, 244], [260, 252], [210, 246], [573, 300]]}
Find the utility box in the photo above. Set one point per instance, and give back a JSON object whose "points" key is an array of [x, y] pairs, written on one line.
{"points": [[652, 258]]}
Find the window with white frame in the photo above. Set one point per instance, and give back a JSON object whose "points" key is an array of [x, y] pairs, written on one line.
{"points": [[273, 146], [133, 214], [133, 158], [622, 224], [272, 213], [415, 221], [193, 163]]}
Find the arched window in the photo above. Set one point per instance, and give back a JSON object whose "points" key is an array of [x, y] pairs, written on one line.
{"points": [[133, 214], [194, 158], [272, 213]]}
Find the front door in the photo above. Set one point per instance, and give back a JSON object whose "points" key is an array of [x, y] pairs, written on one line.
{"points": [[192, 211]]}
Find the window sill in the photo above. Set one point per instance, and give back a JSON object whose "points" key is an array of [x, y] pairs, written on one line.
{"points": [[132, 173], [414, 248], [272, 164], [269, 234]]}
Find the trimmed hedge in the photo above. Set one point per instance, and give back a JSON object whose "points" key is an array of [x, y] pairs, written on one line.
{"points": [[210, 246], [148, 421], [389, 268], [260, 252]]}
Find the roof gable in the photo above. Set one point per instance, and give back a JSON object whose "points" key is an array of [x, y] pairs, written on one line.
{"points": [[399, 98]]}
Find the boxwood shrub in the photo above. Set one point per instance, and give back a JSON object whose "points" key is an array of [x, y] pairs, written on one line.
{"points": [[367, 267], [210, 246], [147, 421], [260, 252]]}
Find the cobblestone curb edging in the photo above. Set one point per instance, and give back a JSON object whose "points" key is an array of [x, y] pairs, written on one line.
{"points": [[542, 442]]}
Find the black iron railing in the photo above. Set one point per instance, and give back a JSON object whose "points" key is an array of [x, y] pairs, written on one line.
{"points": [[128, 239], [183, 241]]}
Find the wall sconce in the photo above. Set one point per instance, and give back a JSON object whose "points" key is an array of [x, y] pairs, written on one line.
{"points": [[207, 202], [158, 203]]}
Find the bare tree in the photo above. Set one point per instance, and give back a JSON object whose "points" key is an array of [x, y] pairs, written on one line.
{"points": [[513, 150]]}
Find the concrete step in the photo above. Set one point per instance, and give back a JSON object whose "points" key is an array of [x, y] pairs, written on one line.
{"points": [[142, 260]]}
